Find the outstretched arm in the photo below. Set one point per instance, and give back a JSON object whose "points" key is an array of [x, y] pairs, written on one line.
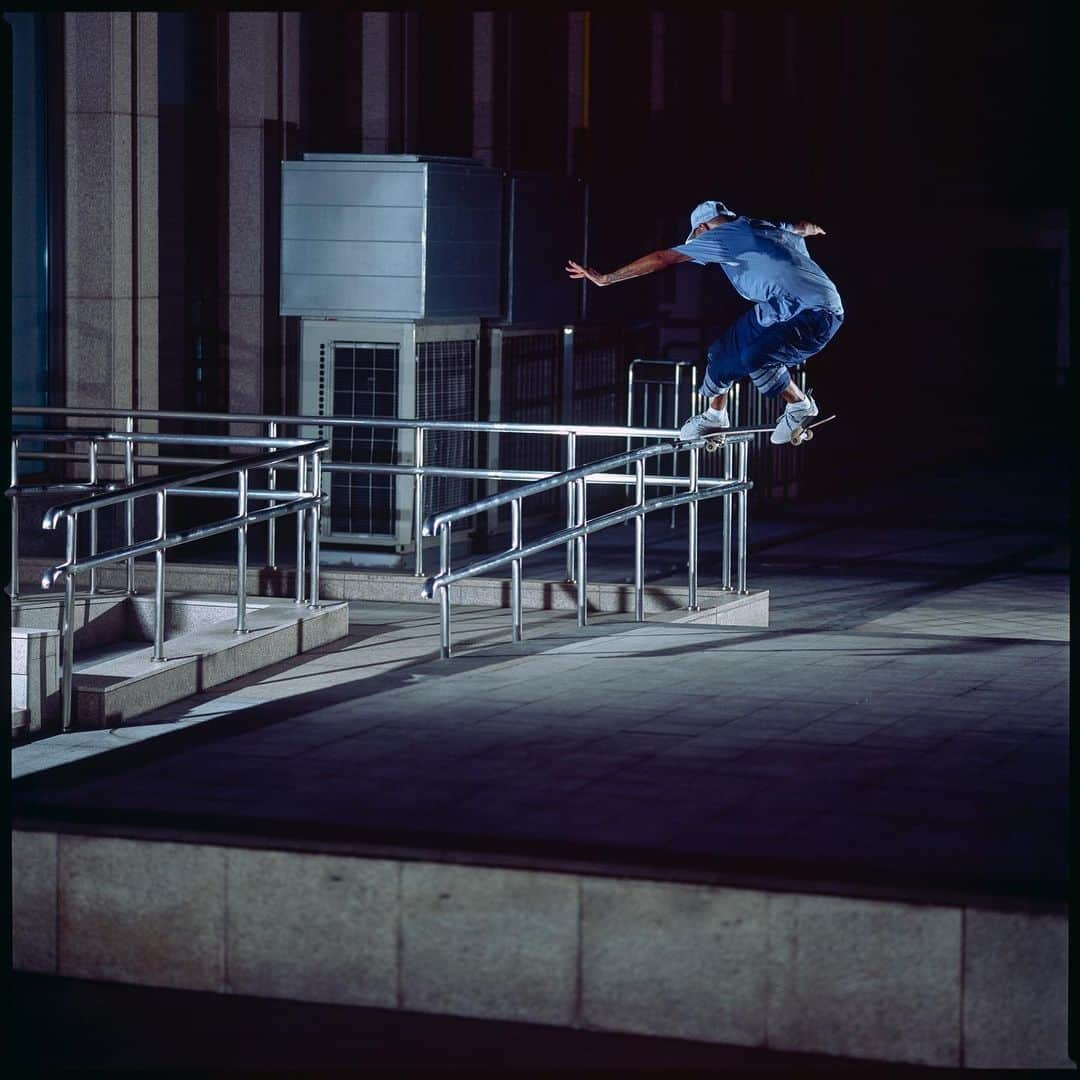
{"points": [[647, 264]]}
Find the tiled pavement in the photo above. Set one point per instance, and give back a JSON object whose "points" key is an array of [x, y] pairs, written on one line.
{"points": [[900, 728]]}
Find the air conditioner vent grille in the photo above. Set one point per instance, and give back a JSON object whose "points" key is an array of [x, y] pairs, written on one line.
{"points": [[446, 390], [365, 386]]}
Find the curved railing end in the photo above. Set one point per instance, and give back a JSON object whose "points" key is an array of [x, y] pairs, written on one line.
{"points": [[52, 517], [51, 576]]}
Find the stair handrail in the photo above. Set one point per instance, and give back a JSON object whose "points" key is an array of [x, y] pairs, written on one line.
{"points": [[306, 504], [441, 524]]}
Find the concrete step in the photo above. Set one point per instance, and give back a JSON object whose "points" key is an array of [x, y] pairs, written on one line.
{"points": [[723, 607], [116, 678], [20, 722]]}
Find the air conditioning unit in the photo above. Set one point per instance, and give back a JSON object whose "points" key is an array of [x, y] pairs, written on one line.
{"points": [[390, 236], [367, 369]]}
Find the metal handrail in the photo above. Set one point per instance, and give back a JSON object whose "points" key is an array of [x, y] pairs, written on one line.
{"points": [[500, 426], [419, 470], [93, 438], [306, 505], [441, 524]]}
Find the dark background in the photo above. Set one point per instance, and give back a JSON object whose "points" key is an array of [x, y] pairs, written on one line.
{"points": [[931, 141]]}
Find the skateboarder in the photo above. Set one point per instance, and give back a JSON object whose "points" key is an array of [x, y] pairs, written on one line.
{"points": [[797, 309]]}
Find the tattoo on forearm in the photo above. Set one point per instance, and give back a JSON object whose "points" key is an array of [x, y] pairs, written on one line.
{"points": [[645, 265]]}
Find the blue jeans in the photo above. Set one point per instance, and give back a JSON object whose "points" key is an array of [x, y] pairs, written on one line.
{"points": [[764, 353]]}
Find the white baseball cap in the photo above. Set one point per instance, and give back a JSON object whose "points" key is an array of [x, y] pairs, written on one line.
{"points": [[706, 211]]}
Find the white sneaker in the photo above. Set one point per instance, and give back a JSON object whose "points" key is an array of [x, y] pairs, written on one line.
{"points": [[702, 424], [794, 417]]}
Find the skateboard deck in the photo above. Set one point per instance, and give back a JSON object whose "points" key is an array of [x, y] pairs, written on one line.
{"points": [[803, 433]]}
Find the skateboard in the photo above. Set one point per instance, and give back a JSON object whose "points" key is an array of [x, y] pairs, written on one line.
{"points": [[803, 433]]}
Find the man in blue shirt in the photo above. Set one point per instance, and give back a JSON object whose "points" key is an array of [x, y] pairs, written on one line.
{"points": [[796, 309]]}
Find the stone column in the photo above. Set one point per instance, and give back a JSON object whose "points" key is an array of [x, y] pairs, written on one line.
{"points": [[483, 125], [262, 99], [577, 121], [389, 57], [251, 108], [111, 178], [377, 107]]}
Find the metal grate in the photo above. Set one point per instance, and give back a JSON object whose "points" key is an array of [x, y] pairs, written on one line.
{"points": [[446, 390], [599, 388], [365, 384], [532, 374]]}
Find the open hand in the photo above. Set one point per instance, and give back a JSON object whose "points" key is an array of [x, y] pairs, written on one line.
{"points": [[808, 228], [577, 271]]}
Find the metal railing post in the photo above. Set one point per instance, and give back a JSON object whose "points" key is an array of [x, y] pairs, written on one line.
{"points": [[725, 579], [129, 506], [159, 584], [639, 542], [515, 571], [571, 463], [316, 526], [14, 591], [444, 592], [68, 631], [93, 467], [743, 502], [418, 504], [692, 563], [241, 552], [271, 525], [674, 423], [301, 528], [582, 556]]}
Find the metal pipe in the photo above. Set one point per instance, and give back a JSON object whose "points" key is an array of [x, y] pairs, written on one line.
{"points": [[200, 532], [692, 563], [271, 525], [561, 536], [159, 584], [725, 578], [743, 503], [515, 571], [68, 632], [418, 504], [639, 542], [301, 530], [616, 431], [444, 593], [675, 423], [582, 556], [241, 552], [129, 506], [93, 478], [14, 589], [149, 486], [551, 483], [571, 463], [315, 515]]}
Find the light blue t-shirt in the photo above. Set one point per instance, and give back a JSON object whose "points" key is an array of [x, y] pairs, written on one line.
{"points": [[768, 264]]}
